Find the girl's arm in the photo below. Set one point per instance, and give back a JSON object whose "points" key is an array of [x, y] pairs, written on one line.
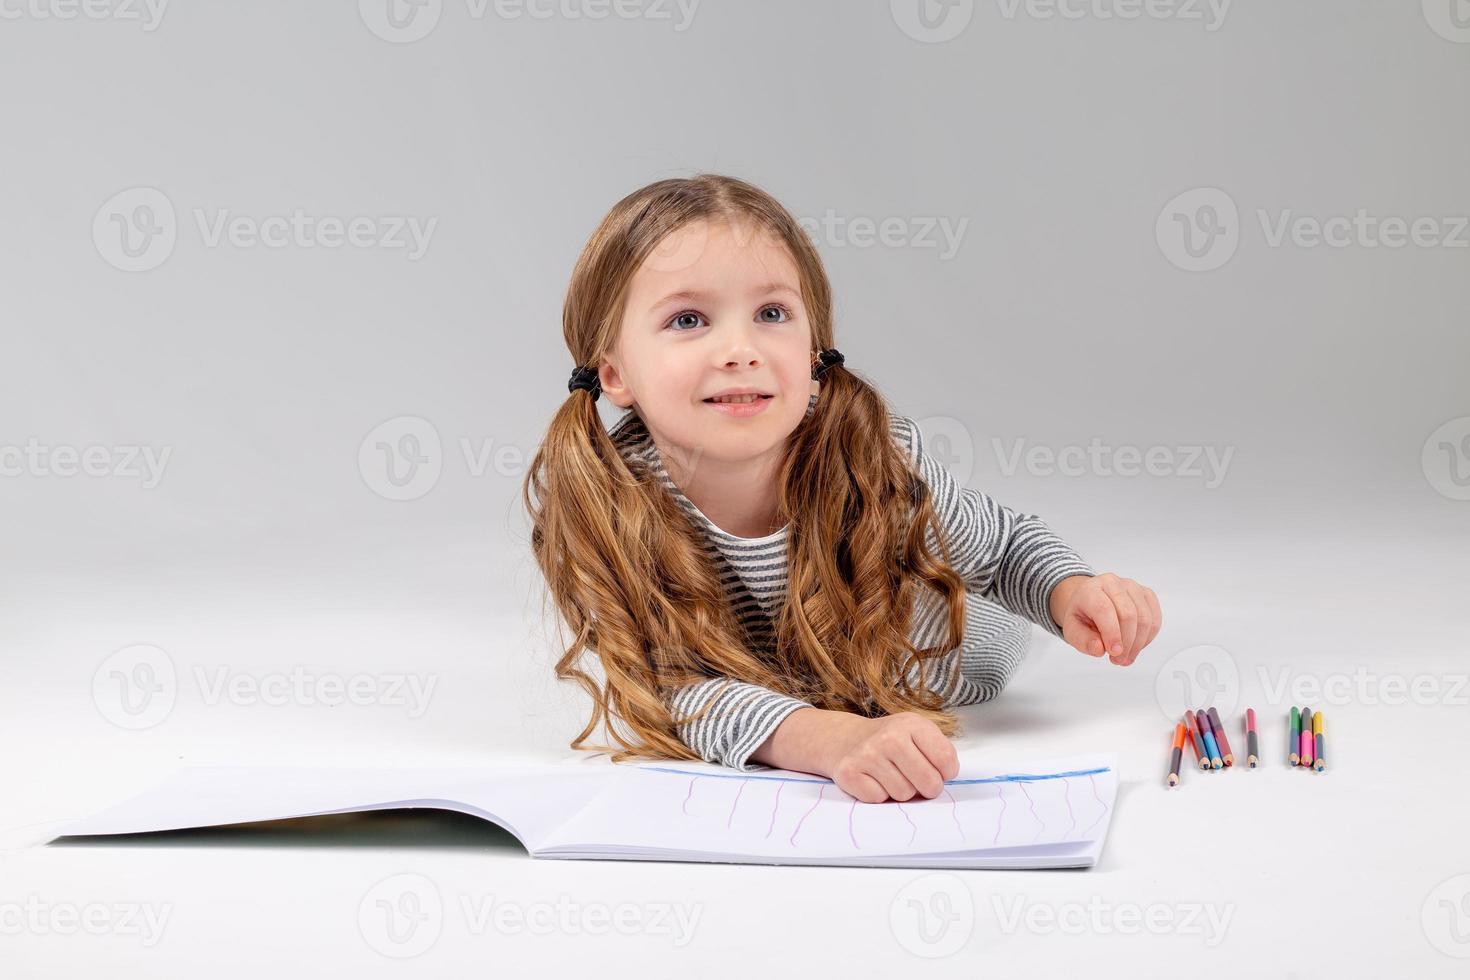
{"points": [[741, 717], [1012, 558]]}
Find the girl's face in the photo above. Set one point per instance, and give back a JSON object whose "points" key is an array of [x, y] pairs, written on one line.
{"points": [[717, 305]]}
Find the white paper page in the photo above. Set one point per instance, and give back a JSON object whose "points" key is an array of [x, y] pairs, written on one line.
{"points": [[526, 799], [701, 809]]}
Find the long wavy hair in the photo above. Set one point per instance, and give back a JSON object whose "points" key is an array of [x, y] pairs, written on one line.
{"points": [[626, 565]]}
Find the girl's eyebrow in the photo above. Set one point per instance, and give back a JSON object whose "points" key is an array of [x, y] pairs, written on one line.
{"points": [[694, 295]]}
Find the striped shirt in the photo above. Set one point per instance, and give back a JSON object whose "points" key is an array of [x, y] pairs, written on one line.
{"points": [[1009, 561]]}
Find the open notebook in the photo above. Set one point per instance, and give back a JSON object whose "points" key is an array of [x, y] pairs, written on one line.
{"points": [[1051, 814]]}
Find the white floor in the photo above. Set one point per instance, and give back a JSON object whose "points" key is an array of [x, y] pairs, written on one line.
{"points": [[1361, 871]]}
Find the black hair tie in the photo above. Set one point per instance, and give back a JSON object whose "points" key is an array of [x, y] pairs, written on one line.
{"points": [[828, 357], [585, 377]]}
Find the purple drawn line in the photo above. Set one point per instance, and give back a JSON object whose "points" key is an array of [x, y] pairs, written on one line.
{"points": [[689, 794], [734, 804], [1100, 801], [1032, 803], [1067, 795], [954, 806], [774, 807], [851, 836], [1001, 817], [911, 822], [797, 828]]}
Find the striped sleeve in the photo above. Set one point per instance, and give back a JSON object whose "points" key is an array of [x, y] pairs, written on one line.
{"points": [[1004, 555], [741, 716]]}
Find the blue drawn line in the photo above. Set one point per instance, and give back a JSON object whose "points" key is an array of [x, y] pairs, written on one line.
{"points": [[1016, 777]]}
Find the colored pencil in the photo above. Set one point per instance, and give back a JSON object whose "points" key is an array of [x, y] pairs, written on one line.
{"points": [[1197, 740], [1204, 727], [1252, 747], [1307, 737], [1319, 735], [1224, 743], [1295, 755], [1176, 755]]}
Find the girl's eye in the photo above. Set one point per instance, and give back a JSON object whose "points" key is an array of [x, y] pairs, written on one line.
{"points": [[679, 321]]}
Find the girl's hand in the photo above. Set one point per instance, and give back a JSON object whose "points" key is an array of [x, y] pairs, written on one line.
{"points": [[897, 756], [1106, 614]]}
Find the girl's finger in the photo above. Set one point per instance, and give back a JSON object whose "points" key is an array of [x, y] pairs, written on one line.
{"points": [[919, 771], [891, 779], [1099, 607], [1127, 625]]}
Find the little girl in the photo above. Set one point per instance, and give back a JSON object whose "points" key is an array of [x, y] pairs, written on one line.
{"points": [[769, 566]]}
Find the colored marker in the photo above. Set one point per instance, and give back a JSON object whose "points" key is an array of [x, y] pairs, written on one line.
{"points": [[1320, 737], [1224, 742], [1307, 737], [1198, 740], [1204, 726], [1176, 755], [1252, 747], [1295, 755]]}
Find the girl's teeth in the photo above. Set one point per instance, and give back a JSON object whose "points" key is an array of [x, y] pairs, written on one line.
{"points": [[738, 398]]}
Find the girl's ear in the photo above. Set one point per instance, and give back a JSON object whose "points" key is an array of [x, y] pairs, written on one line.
{"points": [[611, 381]]}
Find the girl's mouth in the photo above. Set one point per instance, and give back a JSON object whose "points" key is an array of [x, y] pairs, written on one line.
{"points": [[740, 406]]}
